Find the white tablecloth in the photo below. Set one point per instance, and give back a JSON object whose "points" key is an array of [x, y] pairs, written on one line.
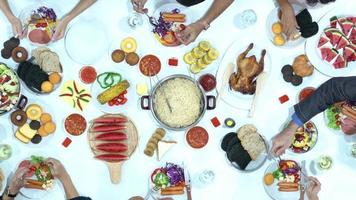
{"points": [[91, 176]]}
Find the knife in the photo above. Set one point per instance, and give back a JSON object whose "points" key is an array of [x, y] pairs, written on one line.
{"points": [[303, 180], [261, 81], [188, 184], [225, 80]]}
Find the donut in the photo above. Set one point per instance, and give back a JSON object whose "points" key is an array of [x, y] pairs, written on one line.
{"points": [[118, 55], [19, 117], [132, 58], [34, 112], [19, 54]]}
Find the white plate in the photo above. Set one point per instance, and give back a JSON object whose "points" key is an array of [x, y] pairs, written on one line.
{"points": [[131, 93], [326, 120], [86, 41], [231, 97], [171, 6], [272, 190], [45, 140], [116, 44], [314, 55], [273, 18]]}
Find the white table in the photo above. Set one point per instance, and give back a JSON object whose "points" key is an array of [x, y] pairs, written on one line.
{"points": [[91, 177]]}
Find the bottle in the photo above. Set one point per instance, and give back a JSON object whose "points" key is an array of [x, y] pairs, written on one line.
{"points": [[189, 2]]}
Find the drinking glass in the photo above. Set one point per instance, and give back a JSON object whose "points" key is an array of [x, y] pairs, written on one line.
{"points": [[5, 152], [245, 19], [135, 19]]}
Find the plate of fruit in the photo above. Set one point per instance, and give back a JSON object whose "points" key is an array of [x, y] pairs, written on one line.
{"points": [[171, 18], [333, 51], [282, 180], [39, 179], [41, 22], [305, 138]]}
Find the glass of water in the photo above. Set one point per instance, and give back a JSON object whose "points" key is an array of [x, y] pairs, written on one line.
{"points": [[135, 20], [206, 177], [245, 19], [5, 152]]}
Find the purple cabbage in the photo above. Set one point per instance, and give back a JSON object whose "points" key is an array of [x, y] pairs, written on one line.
{"points": [[175, 174], [163, 27], [45, 12]]}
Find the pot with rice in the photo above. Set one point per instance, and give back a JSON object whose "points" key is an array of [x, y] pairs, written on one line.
{"points": [[177, 102]]}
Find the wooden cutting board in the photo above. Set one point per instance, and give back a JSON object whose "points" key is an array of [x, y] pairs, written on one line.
{"points": [[131, 142]]}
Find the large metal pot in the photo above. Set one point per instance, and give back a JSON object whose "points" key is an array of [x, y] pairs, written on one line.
{"points": [[21, 99], [206, 103]]}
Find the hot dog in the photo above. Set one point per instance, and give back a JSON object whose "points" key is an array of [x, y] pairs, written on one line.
{"points": [[348, 111], [172, 15], [288, 189], [287, 184], [165, 193], [33, 182], [173, 188], [166, 19]]}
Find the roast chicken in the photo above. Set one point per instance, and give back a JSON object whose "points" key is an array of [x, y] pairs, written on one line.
{"points": [[244, 79]]}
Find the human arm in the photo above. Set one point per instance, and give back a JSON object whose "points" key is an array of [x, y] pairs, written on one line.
{"points": [[17, 182], [63, 23], [314, 187], [59, 172], [288, 19], [191, 32], [139, 5], [14, 21]]}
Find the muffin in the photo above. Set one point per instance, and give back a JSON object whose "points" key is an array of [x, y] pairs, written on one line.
{"points": [[118, 55], [132, 58]]}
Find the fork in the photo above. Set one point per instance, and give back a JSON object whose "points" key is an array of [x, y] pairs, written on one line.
{"points": [[153, 21], [149, 192]]}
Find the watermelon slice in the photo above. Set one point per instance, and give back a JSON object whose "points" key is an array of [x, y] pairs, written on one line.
{"points": [[332, 55], [347, 27], [349, 54], [333, 22], [323, 40], [328, 54], [340, 62], [335, 38], [329, 32], [352, 19], [352, 36], [343, 42]]}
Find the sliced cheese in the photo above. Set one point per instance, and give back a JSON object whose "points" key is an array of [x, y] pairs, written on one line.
{"points": [[164, 147], [21, 137], [141, 89], [26, 131]]}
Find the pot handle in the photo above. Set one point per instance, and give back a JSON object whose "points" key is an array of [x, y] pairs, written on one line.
{"points": [[213, 100], [22, 102], [143, 106]]}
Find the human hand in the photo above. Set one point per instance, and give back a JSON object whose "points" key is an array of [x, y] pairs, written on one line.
{"points": [[139, 6], [190, 33], [282, 141], [314, 187], [17, 27], [18, 180], [289, 22], [57, 168], [60, 29]]}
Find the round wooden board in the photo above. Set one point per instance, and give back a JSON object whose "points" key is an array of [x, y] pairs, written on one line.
{"points": [[131, 142]]}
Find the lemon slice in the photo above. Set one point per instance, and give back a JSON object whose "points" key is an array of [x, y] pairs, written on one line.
{"points": [[206, 60], [194, 68], [201, 63], [213, 54], [188, 58], [197, 53], [204, 45]]}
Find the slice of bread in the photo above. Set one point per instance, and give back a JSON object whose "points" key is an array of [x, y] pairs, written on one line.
{"points": [[251, 141]]}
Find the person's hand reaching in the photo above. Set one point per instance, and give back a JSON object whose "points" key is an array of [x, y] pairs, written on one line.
{"points": [[139, 6], [282, 141], [17, 27], [18, 180], [289, 22], [57, 168], [190, 33], [60, 29], [314, 187]]}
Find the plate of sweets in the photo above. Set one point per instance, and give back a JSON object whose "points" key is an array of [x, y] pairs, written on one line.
{"points": [[171, 18], [41, 22]]}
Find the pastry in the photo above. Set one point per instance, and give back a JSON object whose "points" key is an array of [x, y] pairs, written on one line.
{"points": [[21, 137], [34, 112], [118, 55], [26, 131], [46, 87], [132, 58], [54, 78], [19, 54], [36, 139], [45, 117], [6, 53], [128, 45], [18, 117], [35, 125]]}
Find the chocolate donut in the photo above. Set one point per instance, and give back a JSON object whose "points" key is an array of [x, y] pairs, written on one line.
{"points": [[19, 117], [19, 54]]}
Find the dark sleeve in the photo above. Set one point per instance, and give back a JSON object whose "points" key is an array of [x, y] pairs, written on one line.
{"points": [[332, 91], [81, 198]]}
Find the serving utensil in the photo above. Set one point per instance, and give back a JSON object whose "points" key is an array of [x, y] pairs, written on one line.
{"points": [[150, 191], [303, 180], [187, 183], [261, 80], [225, 80]]}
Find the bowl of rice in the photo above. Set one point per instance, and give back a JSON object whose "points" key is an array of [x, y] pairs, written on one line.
{"points": [[177, 102]]}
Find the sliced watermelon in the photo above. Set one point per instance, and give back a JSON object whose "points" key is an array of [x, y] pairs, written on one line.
{"points": [[329, 31], [352, 19], [349, 54], [323, 40], [326, 52], [335, 38], [347, 27], [352, 36], [332, 55], [333, 22], [340, 62], [343, 42]]}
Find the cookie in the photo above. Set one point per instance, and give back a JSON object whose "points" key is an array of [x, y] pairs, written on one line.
{"points": [[36, 139], [6, 53]]}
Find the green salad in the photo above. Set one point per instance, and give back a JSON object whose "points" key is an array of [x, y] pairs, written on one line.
{"points": [[333, 115]]}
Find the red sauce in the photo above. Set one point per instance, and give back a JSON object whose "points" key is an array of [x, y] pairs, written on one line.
{"points": [[197, 137], [75, 124], [306, 92], [150, 65], [208, 82], [88, 74]]}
